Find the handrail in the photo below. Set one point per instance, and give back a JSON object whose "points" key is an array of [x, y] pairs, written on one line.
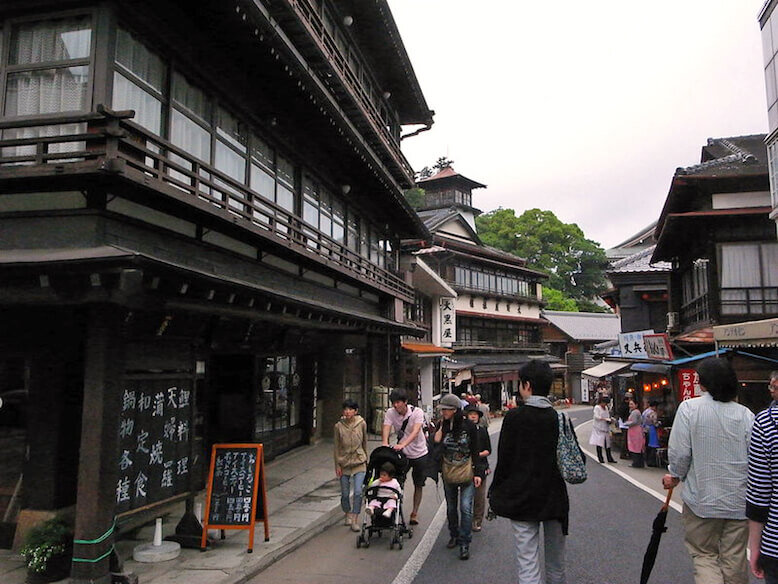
{"points": [[159, 164]]}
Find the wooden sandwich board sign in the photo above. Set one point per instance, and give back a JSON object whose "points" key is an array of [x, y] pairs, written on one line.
{"points": [[236, 495]]}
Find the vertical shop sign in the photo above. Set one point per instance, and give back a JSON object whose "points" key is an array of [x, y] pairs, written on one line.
{"points": [[154, 441], [688, 384], [448, 319]]}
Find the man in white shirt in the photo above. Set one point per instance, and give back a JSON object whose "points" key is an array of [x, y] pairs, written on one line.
{"points": [[708, 451], [407, 422]]}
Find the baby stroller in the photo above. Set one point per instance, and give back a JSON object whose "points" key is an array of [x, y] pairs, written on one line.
{"points": [[377, 523]]}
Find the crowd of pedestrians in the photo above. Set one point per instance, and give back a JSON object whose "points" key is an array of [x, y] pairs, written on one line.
{"points": [[726, 458]]}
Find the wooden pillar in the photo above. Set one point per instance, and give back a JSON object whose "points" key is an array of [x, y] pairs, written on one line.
{"points": [[98, 463]]}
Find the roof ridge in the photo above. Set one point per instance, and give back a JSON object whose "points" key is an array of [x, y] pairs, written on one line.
{"points": [[631, 258], [712, 163], [734, 147]]}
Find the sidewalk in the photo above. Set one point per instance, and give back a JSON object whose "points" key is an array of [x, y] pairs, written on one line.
{"points": [[303, 498]]}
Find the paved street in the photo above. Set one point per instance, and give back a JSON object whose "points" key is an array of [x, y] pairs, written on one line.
{"points": [[610, 525]]}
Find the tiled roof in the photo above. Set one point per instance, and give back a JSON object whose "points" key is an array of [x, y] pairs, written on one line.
{"points": [[740, 155], [450, 173], [585, 326], [639, 262]]}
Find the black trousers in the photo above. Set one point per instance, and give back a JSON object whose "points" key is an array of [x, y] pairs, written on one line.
{"points": [[607, 453]]}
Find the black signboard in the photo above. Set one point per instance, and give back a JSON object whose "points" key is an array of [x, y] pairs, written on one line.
{"points": [[236, 490], [154, 440]]}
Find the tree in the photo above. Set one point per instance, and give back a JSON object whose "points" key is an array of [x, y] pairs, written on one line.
{"points": [[425, 172], [555, 300], [415, 197], [443, 162], [576, 265]]}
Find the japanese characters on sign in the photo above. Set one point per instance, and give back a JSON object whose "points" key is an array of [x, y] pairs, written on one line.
{"points": [[448, 322], [658, 347], [632, 345], [688, 384], [233, 487], [154, 441]]}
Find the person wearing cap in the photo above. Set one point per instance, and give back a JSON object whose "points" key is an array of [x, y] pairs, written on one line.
{"points": [[475, 415], [461, 470], [484, 410], [407, 421], [527, 486]]}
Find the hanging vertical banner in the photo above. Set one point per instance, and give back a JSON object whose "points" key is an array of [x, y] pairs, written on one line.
{"points": [[448, 322], [688, 384]]}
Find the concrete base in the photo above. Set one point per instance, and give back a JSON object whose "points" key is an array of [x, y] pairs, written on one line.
{"points": [[149, 553]]}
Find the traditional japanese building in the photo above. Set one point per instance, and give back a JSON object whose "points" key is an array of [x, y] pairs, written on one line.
{"points": [[201, 206], [716, 232], [768, 22], [498, 298]]}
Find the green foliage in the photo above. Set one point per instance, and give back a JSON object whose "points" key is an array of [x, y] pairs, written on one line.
{"points": [[415, 197], [442, 162], [555, 300], [48, 539], [575, 265], [589, 306]]}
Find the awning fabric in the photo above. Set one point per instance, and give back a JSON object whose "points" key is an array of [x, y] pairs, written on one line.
{"points": [[651, 368], [757, 333], [426, 349], [605, 368], [698, 357]]}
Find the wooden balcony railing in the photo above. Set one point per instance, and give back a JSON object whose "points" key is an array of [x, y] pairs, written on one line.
{"points": [[108, 142], [499, 344]]}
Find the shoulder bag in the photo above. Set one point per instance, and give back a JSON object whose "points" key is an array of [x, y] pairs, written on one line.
{"points": [[570, 459]]}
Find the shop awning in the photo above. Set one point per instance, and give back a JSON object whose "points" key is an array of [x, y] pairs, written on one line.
{"points": [[756, 333], [651, 368], [426, 349], [606, 368]]}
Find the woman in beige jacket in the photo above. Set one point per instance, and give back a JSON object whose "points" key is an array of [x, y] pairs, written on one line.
{"points": [[351, 460]]}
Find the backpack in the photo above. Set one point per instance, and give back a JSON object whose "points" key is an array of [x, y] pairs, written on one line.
{"points": [[569, 456]]}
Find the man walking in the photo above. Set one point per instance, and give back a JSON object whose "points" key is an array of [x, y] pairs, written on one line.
{"points": [[527, 487], [708, 450], [407, 422]]}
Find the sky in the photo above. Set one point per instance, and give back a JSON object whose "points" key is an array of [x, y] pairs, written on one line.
{"points": [[582, 108]]}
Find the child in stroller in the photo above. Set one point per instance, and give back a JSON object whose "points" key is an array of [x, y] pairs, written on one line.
{"points": [[386, 495], [389, 490]]}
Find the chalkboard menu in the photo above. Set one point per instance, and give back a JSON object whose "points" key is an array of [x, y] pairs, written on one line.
{"points": [[235, 498], [154, 440]]}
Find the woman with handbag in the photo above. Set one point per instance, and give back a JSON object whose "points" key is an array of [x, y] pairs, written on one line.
{"points": [[461, 470]]}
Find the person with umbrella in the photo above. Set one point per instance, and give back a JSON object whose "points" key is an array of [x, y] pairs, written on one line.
{"points": [[708, 451]]}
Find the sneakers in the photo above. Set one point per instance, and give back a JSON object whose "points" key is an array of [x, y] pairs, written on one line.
{"points": [[464, 552], [348, 520], [355, 526], [452, 543]]}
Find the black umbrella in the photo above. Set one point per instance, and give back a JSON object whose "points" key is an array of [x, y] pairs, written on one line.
{"points": [[657, 530]]}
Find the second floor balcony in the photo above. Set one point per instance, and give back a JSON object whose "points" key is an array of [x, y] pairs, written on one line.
{"points": [[108, 150], [734, 304]]}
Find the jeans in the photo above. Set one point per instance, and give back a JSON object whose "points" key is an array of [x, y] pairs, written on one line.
{"points": [[770, 567], [460, 524], [527, 535], [345, 482]]}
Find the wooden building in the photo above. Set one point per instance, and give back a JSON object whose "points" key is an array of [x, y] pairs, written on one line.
{"points": [[498, 297], [201, 205], [715, 230]]}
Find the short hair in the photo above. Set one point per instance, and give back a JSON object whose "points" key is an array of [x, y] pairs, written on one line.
{"points": [[773, 375], [718, 378], [539, 375], [388, 468], [398, 395], [602, 400], [350, 404], [653, 403]]}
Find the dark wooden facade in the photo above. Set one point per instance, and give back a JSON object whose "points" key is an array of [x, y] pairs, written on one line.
{"points": [[199, 197]]}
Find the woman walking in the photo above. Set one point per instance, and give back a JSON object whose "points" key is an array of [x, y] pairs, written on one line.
{"points": [[601, 432], [351, 460]]}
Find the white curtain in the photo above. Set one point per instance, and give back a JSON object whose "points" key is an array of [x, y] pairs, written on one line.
{"points": [[51, 40]]}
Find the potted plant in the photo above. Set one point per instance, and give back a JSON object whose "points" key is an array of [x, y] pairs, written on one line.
{"points": [[48, 551]]}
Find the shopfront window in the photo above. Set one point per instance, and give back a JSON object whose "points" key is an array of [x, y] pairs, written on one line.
{"points": [[278, 398]]}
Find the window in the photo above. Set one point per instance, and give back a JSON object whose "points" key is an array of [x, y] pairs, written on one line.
{"points": [[749, 279], [694, 281], [498, 333], [139, 82], [48, 72], [493, 281]]}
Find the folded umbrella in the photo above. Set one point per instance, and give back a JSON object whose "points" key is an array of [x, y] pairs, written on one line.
{"points": [[657, 530]]}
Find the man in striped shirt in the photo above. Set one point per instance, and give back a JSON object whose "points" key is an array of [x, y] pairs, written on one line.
{"points": [[708, 451], [762, 497]]}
